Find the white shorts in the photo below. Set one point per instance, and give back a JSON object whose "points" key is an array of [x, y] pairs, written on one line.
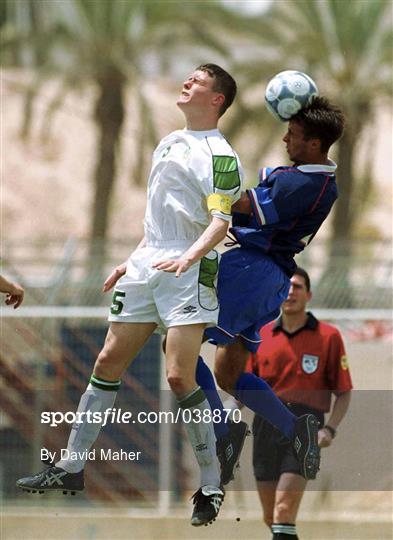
{"points": [[145, 294]]}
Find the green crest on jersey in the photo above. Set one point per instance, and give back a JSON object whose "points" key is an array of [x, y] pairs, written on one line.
{"points": [[226, 172]]}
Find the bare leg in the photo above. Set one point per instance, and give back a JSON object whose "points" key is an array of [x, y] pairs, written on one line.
{"points": [[281, 500], [182, 349], [122, 344], [230, 363], [290, 490], [183, 344], [267, 495]]}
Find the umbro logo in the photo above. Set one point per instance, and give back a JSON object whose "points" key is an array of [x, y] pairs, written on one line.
{"points": [[190, 309], [297, 444], [201, 447], [229, 451]]}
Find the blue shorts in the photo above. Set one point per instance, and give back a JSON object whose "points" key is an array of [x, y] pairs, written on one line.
{"points": [[251, 288]]}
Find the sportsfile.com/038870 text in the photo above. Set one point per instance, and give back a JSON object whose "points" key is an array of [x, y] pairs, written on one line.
{"points": [[117, 416]]}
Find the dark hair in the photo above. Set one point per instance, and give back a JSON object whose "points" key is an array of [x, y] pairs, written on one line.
{"points": [[302, 273], [321, 120], [223, 83]]}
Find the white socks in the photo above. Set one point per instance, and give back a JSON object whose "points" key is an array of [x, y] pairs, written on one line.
{"points": [[200, 431], [84, 432]]}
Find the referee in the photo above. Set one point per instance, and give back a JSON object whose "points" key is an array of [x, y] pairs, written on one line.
{"points": [[304, 361]]}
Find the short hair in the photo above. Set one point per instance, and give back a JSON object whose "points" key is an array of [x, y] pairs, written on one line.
{"points": [[302, 273], [223, 83], [321, 120]]}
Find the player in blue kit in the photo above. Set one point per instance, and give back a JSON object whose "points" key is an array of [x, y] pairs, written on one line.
{"points": [[271, 223]]}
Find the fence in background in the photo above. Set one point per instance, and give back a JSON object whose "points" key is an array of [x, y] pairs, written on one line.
{"points": [[59, 272]]}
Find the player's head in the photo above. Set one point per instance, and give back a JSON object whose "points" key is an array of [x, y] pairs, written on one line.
{"points": [[314, 129], [223, 83], [299, 293], [209, 86]]}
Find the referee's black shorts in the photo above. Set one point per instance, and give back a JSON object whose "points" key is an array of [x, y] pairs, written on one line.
{"points": [[273, 453]]}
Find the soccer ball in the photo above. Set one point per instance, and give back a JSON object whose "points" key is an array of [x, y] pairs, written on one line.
{"points": [[288, 92]]}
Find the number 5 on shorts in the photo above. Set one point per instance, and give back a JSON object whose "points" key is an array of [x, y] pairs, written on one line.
{"points": [[117, 306]]}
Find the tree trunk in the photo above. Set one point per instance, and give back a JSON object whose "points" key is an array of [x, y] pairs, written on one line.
{"points": [[38, 47], [139, 169], [146, 141], [109, 116]]}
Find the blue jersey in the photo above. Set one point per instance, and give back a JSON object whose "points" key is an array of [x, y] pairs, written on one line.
{"points": [[288, 207]]}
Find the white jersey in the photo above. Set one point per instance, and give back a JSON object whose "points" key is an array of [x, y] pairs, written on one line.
{"points": [[194, 175]]}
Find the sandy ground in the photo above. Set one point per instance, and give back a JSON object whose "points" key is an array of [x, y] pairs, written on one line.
{"points": [[60, 524]]}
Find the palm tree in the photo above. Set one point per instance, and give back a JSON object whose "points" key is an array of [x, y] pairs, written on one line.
{"points": [[346, 48]]}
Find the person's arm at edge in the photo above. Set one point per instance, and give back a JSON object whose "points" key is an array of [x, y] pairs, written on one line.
{"points": [[14, 292]]}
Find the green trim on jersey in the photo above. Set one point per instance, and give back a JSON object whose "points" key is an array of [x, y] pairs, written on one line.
{"points": [[225, 172], [208, 269]]}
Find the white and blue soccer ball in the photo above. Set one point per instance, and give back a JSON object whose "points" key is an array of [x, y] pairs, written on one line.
{"points": [[288, 92]]}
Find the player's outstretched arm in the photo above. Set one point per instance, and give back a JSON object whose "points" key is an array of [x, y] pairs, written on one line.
{"points": [[14, 292], [212, 236]]}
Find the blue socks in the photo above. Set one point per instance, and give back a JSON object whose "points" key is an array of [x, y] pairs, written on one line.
{"points": [[257, 395], [253, 392], [205, 380]]}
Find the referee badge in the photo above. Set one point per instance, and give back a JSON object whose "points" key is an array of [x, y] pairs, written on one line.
{"points": [[344, 363], [310, 363]]}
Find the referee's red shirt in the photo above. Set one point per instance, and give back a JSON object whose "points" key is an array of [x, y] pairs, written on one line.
{"points": [[304, 367]]}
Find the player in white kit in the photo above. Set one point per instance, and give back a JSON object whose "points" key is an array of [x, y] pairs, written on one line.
{"points": [[195, 179]]}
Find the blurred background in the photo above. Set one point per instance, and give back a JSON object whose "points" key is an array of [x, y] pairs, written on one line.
{"points": [[88, 88]]}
